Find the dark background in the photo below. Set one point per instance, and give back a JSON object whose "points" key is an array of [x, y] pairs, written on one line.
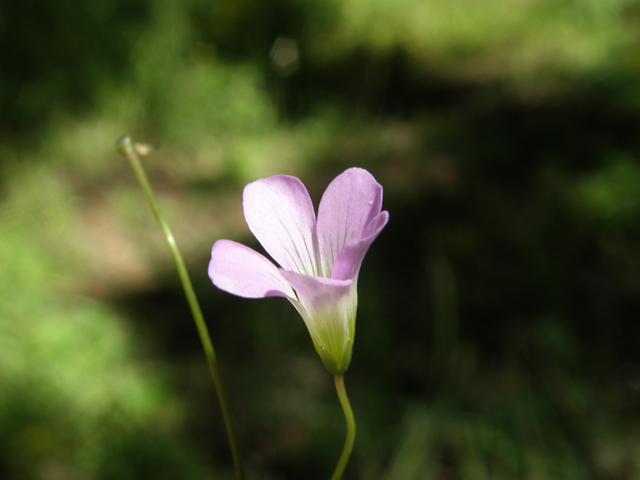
{"points": [[497, 332]]}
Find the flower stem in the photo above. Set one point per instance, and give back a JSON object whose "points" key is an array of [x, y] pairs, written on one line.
{"points": [[351, 428], [126, 148]]}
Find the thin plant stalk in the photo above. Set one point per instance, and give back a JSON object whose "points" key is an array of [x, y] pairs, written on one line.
{"points": [[126, 148], [351, 428]]}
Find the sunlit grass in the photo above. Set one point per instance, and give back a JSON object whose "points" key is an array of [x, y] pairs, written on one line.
{"points": [[479, 40], [70, 374]]}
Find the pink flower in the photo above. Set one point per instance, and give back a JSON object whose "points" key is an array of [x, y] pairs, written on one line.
{"points": [[320, 259]]}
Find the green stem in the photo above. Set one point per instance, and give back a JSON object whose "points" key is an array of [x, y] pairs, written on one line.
{"points": [[351, 428], [125, 147]]}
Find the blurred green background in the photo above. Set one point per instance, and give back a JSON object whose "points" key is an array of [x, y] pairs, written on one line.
{"points": [[498, 333]]}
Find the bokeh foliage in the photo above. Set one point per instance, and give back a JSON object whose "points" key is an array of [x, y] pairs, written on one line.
{"points": [[498, 321]]}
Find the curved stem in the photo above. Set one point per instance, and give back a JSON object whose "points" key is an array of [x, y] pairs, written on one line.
{"points": [[351, 428], [125, 147]]}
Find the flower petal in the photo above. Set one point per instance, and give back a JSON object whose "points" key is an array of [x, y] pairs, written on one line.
{"points": [[315, 290], [280, 214], [347, 264], [348, 205], [242, 271]]}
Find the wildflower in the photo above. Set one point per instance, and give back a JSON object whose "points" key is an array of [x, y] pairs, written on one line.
{"points": [[319, 259]]}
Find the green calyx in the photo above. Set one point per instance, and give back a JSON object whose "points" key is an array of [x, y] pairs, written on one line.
{"points": [[336, 361]]}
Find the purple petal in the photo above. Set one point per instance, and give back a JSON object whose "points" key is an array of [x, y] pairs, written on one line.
{"points": [[280, 214], [242, 271], [324, 301], [315, 290], [347, 264], [348, 205]]}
